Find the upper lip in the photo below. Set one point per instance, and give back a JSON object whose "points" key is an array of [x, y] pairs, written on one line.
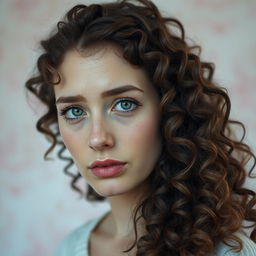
{"points": [[106, 162]]}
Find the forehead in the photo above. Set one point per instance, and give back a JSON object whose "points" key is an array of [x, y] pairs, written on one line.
{"points": [[105, 59], [104, 67]]}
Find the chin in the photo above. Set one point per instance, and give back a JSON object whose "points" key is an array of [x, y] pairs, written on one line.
{"points": [[110, 192], [110, 189]]}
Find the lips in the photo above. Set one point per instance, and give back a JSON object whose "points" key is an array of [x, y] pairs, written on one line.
{"points": [[107, 168], [106, 163], [109, 171]]}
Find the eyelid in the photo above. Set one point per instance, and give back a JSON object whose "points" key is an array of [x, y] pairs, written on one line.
{"points": [[65, 109]]}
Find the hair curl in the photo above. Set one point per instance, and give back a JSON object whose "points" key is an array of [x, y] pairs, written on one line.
{"points": [[197, 195]]}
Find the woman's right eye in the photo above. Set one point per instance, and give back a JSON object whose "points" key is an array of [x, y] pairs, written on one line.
{"points": [[76, 111]]}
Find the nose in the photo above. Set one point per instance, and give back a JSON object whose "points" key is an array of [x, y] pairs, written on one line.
{"points": [[100, 138]]}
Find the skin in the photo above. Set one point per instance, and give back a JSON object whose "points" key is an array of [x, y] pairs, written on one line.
{"points": [[105, 130]]}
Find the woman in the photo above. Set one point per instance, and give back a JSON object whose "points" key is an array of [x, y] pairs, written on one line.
{"points": [[148, 130]]}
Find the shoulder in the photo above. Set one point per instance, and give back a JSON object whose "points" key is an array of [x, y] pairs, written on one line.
{"points": [[249, 247], [68, 244], [75, 242]]}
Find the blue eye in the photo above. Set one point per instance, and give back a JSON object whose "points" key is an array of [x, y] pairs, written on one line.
{"points": [[126, 105], [77, 112]]}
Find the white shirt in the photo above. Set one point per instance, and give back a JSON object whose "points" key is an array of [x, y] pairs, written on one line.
{"points": [[76, 243]]}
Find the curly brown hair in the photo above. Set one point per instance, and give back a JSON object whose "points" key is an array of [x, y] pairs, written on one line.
{"points": [[197, 196]]}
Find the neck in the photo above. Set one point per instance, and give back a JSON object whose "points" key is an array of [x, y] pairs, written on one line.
{"points": [[121, 215]]}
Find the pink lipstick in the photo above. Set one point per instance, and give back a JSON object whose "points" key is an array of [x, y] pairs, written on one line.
{"points": [[107, 168]]}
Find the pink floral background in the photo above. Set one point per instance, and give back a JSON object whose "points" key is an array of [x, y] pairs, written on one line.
{"points": [[37, 206]]}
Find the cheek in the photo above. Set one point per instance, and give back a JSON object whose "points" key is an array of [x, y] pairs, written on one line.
{"points": [[71, 141], [144, 133]]}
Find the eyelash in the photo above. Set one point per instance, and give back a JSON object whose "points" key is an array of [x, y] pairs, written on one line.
{"points": [[65, 110]]}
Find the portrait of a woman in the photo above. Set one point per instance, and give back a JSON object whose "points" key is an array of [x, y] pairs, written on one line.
{"points": [[149, 131]]}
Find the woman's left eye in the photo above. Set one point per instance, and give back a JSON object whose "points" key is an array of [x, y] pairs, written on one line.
{"points": [[125, 104]]}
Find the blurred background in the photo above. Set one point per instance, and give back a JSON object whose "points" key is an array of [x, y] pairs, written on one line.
{"points": [[37, 206]]}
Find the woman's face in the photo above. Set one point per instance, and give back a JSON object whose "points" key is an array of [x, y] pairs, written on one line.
{"points": [[100, 126]]}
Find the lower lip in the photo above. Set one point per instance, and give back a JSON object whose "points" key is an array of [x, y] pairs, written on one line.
{"points": [[108, 171]]}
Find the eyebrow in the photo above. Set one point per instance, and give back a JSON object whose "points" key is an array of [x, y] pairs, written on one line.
{"points": [[115, 91]]}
